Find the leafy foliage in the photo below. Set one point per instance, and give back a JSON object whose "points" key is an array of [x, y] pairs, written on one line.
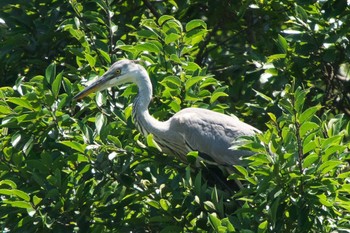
{"points": [[67, 166], [299, 174]]}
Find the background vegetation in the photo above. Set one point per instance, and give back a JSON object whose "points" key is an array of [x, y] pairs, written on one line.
{"points": [[282, 66]]}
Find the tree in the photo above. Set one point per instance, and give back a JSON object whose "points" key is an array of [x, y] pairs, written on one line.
{"points": [[67, 166]]}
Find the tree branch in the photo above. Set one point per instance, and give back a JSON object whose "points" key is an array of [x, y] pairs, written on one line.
{"points": [[151, 8]]}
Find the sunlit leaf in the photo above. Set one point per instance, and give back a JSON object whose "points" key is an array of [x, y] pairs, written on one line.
{"points": [[164, 204], [56, 85], [308, 113], [100, 122], [328, 166], [152, 143], [20, 102], [217, 95], [308, 127], [263, 226], [309, 160], [74, 145], [195, 23], [172, 37], [282, 44], [148, 46], [19, 204], [164, 18], [193, 81], [324, 200]]}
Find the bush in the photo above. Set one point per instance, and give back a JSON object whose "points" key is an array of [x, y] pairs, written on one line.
{"points": [[68, 166]]}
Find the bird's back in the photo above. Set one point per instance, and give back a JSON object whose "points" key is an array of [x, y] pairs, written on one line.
{"points": [[211, 133]]}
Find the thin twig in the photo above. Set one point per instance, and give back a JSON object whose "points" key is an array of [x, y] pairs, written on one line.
{"points": [[151, 8]]}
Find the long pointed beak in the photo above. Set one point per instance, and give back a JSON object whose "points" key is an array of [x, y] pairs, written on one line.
{"points": [[98, 85]]}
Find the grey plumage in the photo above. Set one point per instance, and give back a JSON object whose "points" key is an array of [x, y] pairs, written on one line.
{"points": [[191, 129]]}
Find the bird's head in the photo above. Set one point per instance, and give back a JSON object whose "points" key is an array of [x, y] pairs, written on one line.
{"points": [[123, 71]]}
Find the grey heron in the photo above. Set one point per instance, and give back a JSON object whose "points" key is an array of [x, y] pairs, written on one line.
{"points": [[191, 129]]}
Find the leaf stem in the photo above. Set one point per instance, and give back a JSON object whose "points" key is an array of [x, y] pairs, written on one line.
{"points": [[299, 143]]}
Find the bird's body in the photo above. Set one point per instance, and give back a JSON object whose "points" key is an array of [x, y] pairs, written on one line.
{"points": [[191, 129]]}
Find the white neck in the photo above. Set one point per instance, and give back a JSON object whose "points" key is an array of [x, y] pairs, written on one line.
{"points": [[145, 123]]}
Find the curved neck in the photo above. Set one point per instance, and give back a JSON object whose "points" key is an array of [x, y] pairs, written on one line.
{"points": [[144, 122]]}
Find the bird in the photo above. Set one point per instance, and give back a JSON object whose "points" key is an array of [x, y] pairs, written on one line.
{"points": [[209, 133]]}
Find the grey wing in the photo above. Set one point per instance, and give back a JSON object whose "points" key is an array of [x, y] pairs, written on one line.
{"points": [[211, 134]]}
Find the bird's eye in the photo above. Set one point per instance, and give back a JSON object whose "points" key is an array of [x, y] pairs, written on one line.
{"points": [[117, 71]]}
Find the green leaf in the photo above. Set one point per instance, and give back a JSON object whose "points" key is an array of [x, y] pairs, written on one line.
{"points": [[67, 86], [50, 73], [285, 105], [152, 143], [276, 202], [56, 85], [5, 110], [309, 147], [74, 145], [20, 102], [165, 18], [9, 183], [309, 160], [91, 60], [262, 227], [301, 13], [334, 149], [217, 95], [6, 91], [300, 96], [324, 200], [242, 170], [275, 57], [345, 188], [191, 66], [328, 166], [6, 192], [194, 37], [194, 24], [334, 140], [19, 204], [148, 46], [282, 44], [164, 204], [308, 113], [272, 117], [172, 82], [15, 139], [115, 140], [344, 175], [172, 26], [175, 58], [149, 34], [192, 157], [36, 200], [208, 205], [214, 221], [105, 55], [308, 127], [265, 97], [21, 194], [192, 81], [153, 203], [28, 145], [100, 122], [171, 38], [198, 183]]}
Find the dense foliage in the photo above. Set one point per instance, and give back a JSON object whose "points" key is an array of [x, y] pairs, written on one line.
{"points": [[68, 167]]}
